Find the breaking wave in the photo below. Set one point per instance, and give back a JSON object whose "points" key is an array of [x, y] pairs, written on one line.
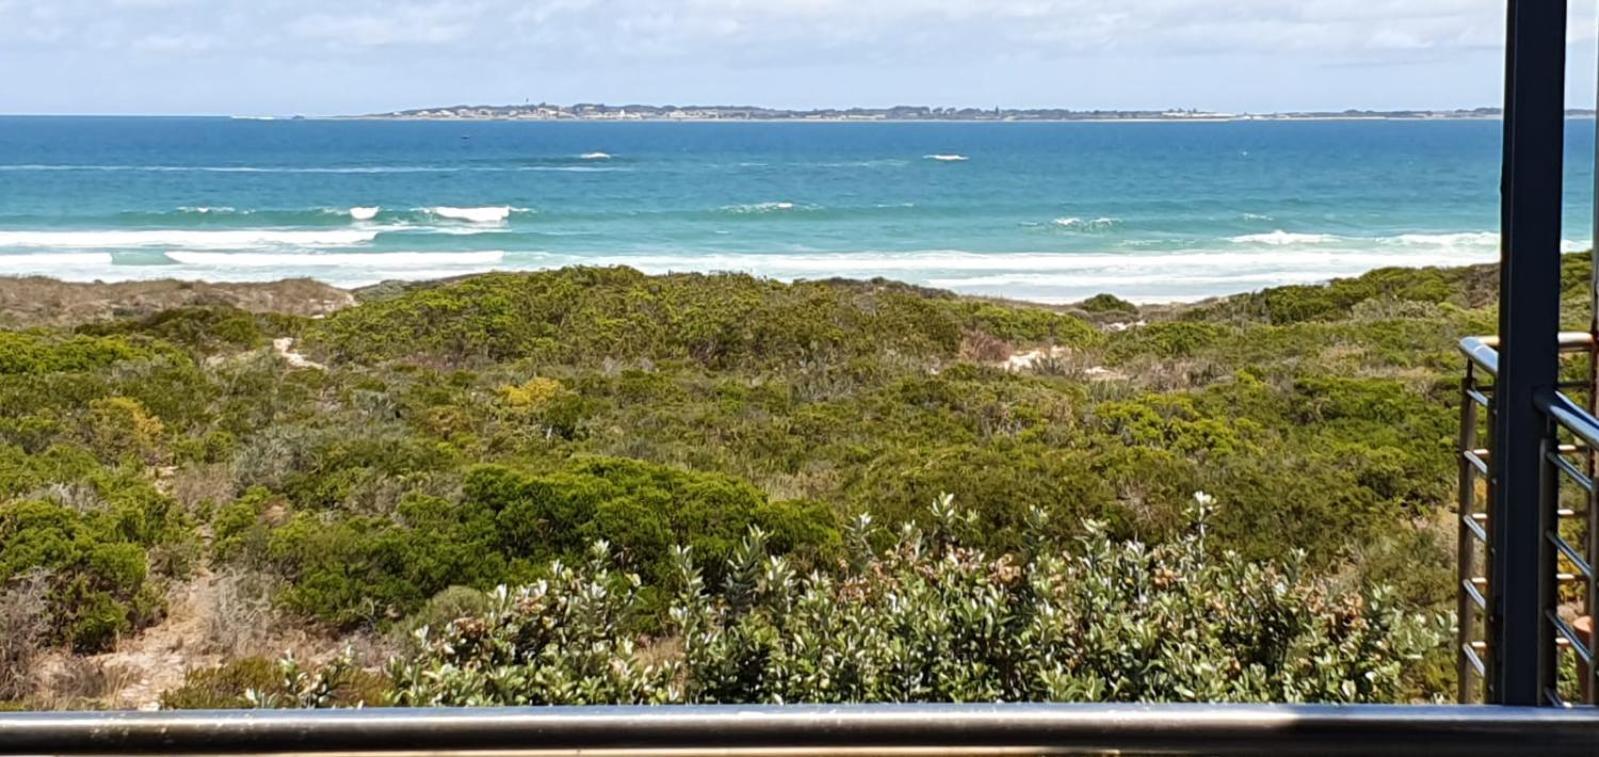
{"points": [[489, 214], [1086, 224], [763, 207], [375, 261], [221, 239], [1280, 237]]}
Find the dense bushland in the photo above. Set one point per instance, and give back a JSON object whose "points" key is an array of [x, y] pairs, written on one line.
{"points": [[478, 432]]}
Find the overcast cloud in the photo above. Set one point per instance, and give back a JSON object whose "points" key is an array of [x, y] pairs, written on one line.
{"points": [[341, 56]]}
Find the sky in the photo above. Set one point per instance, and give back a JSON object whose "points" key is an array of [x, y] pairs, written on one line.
{"points": [[327, 57]]}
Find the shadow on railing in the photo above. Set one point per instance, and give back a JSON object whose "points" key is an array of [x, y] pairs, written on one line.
{"points": [[1571, 537], [821, 730]]}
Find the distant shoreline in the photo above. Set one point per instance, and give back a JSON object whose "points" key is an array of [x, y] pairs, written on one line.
{"points": [[902, 114], [1259, 119]]}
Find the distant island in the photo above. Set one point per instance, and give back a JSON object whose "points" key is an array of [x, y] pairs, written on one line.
{"points": [[602, 112]]}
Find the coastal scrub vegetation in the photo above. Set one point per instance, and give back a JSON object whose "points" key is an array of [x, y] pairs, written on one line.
{"points": [[724, 436]]}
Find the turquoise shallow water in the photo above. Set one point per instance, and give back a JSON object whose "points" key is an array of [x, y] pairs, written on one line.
{"points": [[1151, 211]]}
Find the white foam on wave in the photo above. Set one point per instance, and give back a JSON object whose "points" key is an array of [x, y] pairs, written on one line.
{"points": [[1145, 276], [1457, 239], [566, 169], [1233, 282], [947, 157], [488, 214], [364, 214], [1447, 240], [1086, 224], [47, 262], [944, 261], [372, 261], [595, 156], [875, 163], [219, 239], [1280, 237], [204, 210], [760, 207]]}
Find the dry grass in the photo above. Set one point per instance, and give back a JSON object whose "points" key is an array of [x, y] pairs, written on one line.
{"points": [[22, 630], [195, 486], [235, 614], [40, 301], [86, 681], [982, 347]]}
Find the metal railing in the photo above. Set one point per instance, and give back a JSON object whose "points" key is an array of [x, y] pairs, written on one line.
{"points": [[1571, 595], [821, 730]]}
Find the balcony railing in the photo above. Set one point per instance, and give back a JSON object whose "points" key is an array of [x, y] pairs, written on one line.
{"points": [[1278, 730], [1569, 505]]}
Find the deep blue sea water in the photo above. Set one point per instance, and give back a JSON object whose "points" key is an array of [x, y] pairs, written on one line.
{"points": [[1151, 211]]}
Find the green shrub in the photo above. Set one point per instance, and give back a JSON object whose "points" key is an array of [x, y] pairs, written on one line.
{"points": [[582, 315], [100, 583], [51, 386], [509, 524], [222, 687], [201, 328], [1166, 339], [1108, 303], [453, 603], [641, 509], [120, 428], [255, 682], [932, 620]]}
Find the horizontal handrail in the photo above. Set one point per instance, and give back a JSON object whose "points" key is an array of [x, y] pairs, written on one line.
{"points": [[1571, 416], [1483, 351], [821, 730]]}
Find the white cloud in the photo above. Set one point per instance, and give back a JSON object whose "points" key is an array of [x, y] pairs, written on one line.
{"points": [[778, 29], [1077, 52], [413, 24]]}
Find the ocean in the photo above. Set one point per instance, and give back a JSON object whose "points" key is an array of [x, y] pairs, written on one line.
{"points": [[1048, 212]]}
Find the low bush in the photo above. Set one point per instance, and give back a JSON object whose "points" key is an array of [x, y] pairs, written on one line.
{"points": [[1108, 303], [256, 682], [508, 526], [204, 329], [98, 556], [932, 620], [583, 315]]}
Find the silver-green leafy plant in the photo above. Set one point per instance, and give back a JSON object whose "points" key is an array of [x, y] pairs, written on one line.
{"points": [[932, 620]]}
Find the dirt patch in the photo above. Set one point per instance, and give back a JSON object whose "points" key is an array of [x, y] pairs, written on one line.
{"points": [[285, 348], [41, 301], [212, 618]]}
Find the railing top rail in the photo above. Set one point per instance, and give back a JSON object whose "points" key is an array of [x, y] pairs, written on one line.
{"points": [[857, 729], [1483, 351], [1572, 417]]}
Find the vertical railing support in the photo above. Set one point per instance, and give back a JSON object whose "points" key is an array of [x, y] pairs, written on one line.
{"points": [[1466, 550], [1529, 322]]}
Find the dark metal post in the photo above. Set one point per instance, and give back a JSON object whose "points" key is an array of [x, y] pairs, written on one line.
{"points": [[1529, 323]]}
